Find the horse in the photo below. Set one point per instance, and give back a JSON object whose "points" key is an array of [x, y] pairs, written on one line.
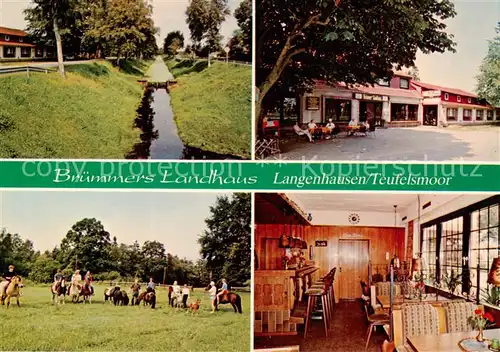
{"points": [[13, 290], [58, 291], [109, 293], [120, 297], [86, 293], [149, 298], [233, 298]]}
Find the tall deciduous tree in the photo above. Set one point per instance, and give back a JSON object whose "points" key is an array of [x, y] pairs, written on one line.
{"points": [[128, 25], [86, 246], [488, 80], [225, 245], [243, 15], [338, 40], [51, 17], [197, 19], [217, 12], [173, 42]]}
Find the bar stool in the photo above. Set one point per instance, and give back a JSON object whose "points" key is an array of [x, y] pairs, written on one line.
{"points": [[312, 295], [324, 306]]}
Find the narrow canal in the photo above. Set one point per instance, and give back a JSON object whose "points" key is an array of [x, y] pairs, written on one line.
{"points": [[159, 135], [155, 119]]}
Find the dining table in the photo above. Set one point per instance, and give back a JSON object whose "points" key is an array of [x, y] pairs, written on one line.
{"points": [[450, 342], [385, 301]]}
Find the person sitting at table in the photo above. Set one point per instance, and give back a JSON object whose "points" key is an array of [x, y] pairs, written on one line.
{"points": [[330, 127], [352, 123], [302, 132], [312, 125], [314, 130]]}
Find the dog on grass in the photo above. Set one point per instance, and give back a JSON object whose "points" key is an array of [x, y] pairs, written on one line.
{"points": [[194, 307]]}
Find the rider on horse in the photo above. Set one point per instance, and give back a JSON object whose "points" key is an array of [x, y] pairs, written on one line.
{"points": [[58, 276], [88, 281], [75, 280], [223, 291], [7, 276], [151, 286]]}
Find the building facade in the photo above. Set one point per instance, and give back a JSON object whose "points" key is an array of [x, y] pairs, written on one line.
{"points": [[15, 44], [401, 102], [444, 105]]}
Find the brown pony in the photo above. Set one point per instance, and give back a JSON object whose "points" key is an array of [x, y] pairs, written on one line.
{"points": [[230, 297], [13, 290], [86, 293], [149, 298]]}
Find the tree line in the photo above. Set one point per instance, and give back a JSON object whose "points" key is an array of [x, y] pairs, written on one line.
{"points": [[93, 28], [225, 251], [204, 19]]}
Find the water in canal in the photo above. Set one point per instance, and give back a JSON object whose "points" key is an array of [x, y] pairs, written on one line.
{"points": [[159, 137]]}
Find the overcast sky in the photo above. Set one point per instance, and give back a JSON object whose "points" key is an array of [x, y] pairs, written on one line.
{"points": [[472, 27], [174, 219], [169, 15]]}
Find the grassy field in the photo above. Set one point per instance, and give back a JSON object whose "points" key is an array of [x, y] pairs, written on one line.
{"points": [[88, 115], [40, 325], [212, 106]]}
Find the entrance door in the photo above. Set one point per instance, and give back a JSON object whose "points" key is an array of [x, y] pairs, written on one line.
{"points": [[430, 115], [354, 256]]}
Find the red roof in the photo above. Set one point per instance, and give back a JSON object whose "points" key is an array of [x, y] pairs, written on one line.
{"points": [[12, 31], [17, 44], [445, 89]]}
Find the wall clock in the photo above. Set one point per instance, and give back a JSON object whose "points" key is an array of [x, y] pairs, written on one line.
{"points": [[354, 218]]}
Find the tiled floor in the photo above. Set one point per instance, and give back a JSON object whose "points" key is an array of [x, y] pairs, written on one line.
{"points": [[424, 143], [347, 333]]}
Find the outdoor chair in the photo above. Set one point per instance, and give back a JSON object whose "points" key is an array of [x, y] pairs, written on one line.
{"points": [[266, 147]]}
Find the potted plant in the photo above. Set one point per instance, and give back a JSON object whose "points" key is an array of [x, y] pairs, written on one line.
{"points": [[451, 281], [480, 321]]}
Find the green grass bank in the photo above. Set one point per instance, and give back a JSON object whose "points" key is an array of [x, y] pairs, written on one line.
{"points": [[88, 115], [212, 105], [39, 325]]}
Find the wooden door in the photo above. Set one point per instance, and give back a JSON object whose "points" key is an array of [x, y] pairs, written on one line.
{"points": [[354, 256]]}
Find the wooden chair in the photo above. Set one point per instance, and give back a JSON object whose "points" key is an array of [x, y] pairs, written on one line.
{"points": [[388, 346], [374, 320]]}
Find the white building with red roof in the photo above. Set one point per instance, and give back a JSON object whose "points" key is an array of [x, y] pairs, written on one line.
{"points": [[15, 44], [400, 102], [443, 105]]}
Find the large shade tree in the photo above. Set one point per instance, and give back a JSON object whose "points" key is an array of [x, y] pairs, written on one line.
{"points": [[225, 244], [488, 80], [353, 41], [51, 19]]}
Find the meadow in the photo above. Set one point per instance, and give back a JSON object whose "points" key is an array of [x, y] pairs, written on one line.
{"points": [[38, 325], [213, 105], [90, 114]]}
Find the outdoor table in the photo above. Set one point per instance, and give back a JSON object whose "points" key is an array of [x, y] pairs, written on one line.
{"points": [[352, 129], [399, 300], [448, 342]]}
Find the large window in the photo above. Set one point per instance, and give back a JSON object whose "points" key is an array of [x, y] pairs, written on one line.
{"points": [[429, 241], [464, 242], [489, 115], [451, 114], [403, 112], [467, 114], [404, 83], [484, 244], [337, 109], [479, 115], [450, 257]]}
